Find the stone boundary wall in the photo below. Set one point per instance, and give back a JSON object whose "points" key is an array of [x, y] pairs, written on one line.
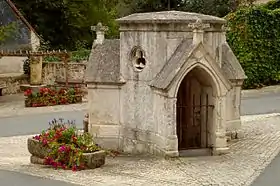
{"points": [[51, 72], [13, 82], [56, 70]]}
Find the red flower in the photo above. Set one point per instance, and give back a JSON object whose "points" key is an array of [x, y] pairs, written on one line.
{"points": [[28, 92], [74, 138], [74, 168]]}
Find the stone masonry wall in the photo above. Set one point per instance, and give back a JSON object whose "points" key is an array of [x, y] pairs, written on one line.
{"points": [[56, 70], [51, 72], [12, 81]]}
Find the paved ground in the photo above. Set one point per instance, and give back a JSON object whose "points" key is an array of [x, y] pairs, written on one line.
{"points": [[270, 176], [8, 179], [246, 161], [248, 157]]}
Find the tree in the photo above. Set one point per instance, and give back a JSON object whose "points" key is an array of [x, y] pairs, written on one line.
{"points": [[218, 8], [6, 31], [66, 24]]}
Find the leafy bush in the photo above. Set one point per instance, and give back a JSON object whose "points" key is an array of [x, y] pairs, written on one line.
{"points": [[66, 146], [254, 35], [76, 56], [26, 66]]}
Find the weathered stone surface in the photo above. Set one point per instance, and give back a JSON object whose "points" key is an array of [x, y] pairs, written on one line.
{"points": [[174, 58], [247, 159], [38, 152], [36, 148], [13, 82], [95, 159], [104, 63], [56, 70], [36, 70], [230, 65], [169, 17], [37, 160]]}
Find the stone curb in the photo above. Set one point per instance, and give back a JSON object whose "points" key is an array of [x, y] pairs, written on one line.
{"points": [[261, 91]]}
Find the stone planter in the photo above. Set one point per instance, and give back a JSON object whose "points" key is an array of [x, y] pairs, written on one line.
{"points": [[38, 152]]}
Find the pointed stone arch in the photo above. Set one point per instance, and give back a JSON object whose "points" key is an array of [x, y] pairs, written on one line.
{"points": [[202, 106]]}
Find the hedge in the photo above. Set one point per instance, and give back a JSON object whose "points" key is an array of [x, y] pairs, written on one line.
{"points": [[254, 35], [76, 56]]}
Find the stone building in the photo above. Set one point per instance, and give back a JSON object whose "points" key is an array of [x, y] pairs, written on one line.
{"points": [[170, 85], [24, 37]]}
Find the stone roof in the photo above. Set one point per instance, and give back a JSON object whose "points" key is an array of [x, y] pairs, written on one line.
{"points": [[104, 63], [170, 69], [175, 63], [170, 17], [230, 64]]}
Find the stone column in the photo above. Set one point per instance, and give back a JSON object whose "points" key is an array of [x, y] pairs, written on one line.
{"points": [[220, 145], [36, 70], [234, 123], [198, 30], [171, 149]]}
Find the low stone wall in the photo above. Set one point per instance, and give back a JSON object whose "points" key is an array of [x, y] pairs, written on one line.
{"points": [[51, 72], [13, 82], [56, 70]]}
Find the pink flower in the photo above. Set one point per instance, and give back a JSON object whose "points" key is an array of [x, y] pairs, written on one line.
{"points": [[62, 149], [45, 142], [37, 137]]}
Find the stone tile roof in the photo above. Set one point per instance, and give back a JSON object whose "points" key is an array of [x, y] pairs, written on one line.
{"points": [[170, 69], [168, 17], [104, 63], [230, 64], [182, 53]]}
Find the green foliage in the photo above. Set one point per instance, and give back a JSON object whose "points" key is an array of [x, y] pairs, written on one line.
{"points": [[254, 36], [26, 66], [65, 24], [6, 31], [76, 56], [218, 8], [80, 55]]}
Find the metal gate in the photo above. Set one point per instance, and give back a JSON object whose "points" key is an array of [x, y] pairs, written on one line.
{"points": [[192, 119]]}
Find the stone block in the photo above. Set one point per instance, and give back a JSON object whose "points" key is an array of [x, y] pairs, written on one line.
{"points": [[105, 130], [95, 159], [112, 143]]}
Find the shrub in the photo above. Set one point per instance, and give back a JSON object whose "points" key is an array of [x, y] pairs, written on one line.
{"points": [[254, 35], [66, 146], [26, 66], [76, 56]]}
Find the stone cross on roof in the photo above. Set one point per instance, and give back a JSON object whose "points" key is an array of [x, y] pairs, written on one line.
{"points": [[198, 30], [100, 32], [199, 25]]}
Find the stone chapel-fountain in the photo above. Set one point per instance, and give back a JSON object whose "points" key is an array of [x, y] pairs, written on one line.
{"points": [[170, 85]]}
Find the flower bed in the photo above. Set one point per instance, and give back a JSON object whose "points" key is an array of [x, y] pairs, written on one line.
{"points": [[50, 97], [61, 147]]}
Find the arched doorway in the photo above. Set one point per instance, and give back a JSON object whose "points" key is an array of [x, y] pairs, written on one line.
{"points": [[194, 111]]}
